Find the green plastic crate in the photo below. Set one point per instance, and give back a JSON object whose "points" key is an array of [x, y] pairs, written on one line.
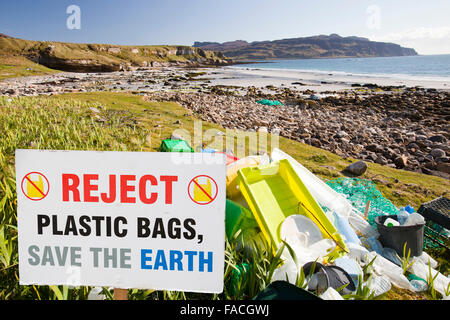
{"points": [[169, 145]]}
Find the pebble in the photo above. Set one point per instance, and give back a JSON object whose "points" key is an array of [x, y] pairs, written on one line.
{"points": [[407, 129]]}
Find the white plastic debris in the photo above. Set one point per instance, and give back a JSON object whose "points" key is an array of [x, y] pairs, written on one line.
{"points": [[423, 271], [265, 159], [414, 219], [378, 285], [315, 252], [286, 272], [357, 252], [95, 294], [389, 222], [419, 285], [344, 228], [321, 248], [361, 226], [394, 273], [298, 230], [373, 244], [426, 259], [331, 294], [305, 239], [351, 266], [391, 255]]}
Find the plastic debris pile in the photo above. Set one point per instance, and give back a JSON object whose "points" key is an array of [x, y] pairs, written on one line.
{"points": [[343, 235]]}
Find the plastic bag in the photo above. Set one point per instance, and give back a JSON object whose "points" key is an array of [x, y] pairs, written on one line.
{"points": [[378, 285], [331, 294], [421, 270], [95, 294], [414, 219], [374, 244], [426, 259], [392, 256], [357, 252], [287, 271], [361, 226], [394, 273]]}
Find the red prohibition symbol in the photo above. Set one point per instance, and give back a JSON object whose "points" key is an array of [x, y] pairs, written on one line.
{"points": [[202, 193], [35, 186]]}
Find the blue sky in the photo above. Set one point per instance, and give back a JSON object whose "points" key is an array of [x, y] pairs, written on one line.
{"points": [[423, 25]]}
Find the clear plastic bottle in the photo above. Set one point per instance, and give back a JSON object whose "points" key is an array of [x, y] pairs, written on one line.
{"points": [[419, 285], [414, 219], [402, 216]]}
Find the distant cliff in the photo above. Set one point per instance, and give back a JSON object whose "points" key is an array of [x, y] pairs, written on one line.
{"points": [[105, 57], [322, 46]]}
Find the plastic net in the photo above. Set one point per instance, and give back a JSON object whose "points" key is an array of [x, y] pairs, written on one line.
{"points": [[435, 236], [269, 102], [359, 191]]}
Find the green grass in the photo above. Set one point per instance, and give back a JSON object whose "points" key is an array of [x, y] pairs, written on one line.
{"points": [[127, 122], [16, 66]]}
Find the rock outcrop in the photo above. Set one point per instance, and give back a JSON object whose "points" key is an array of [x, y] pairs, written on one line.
{"points": [[106, 58]]}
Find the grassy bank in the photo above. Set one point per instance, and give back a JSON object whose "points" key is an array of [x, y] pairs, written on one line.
{"points": [[18, 54], [125, 122], [17, 66]]}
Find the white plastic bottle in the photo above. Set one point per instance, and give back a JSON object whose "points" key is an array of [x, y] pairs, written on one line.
{"points": [[389, 222]]}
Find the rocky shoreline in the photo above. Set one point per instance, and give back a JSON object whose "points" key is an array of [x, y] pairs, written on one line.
{"points": [[400, 127], [407, 130]]}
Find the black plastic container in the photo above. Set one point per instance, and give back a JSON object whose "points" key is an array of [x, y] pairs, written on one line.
{"points": [[437, 210], [396, 237]]}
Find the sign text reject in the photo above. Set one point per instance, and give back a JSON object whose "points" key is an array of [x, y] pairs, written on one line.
{"points": [[120, 219]]}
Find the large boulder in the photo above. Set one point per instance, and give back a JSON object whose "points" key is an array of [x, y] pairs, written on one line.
{"points": [[437, 153], [401, 161], [437, 138], [357, 168]]}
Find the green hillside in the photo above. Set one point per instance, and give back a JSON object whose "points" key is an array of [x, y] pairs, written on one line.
{"points": [[24, 57]]}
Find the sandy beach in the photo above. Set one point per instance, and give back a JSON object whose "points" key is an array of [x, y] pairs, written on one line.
{"points": [[316, 81], [236, 78]]}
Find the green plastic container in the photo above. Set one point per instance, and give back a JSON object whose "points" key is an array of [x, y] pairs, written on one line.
{"points": [[238, 217], [239, 277], [169, 145]]}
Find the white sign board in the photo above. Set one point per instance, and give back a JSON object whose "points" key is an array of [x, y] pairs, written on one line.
{"points": [[121, 219]]}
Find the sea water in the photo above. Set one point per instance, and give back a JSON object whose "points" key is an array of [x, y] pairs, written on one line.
{"points": [[421, 67]]}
